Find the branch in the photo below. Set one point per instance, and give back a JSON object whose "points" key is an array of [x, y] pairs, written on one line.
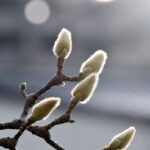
{"points": [[58, 79], [15, 124], [54, 144], [30, 100], [8, 142], [81, 93], [40, 131]]}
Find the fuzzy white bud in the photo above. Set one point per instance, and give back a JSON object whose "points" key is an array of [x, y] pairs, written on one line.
{"points": [[44, 108], [63, 45], [85, 88], [94, 64], [123, 139]]}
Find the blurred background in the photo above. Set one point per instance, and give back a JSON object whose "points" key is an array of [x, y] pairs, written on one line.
{"points": [[28, 29]]}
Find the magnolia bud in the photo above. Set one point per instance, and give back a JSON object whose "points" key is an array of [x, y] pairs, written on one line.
{"points": [[85, 88], [95, 63], [86, 72], [123, 139], [23, 86], [44, 108], [63, 45]]}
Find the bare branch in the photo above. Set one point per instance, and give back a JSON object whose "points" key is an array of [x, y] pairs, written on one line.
{"points": [[15, 124], [62, 49], [54, 144]]}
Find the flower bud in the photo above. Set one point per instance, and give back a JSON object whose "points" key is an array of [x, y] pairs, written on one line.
{"points": [[44, 108], [95, 63], [23, 86], [85, 88], [63, 45], [123, 139], [87, 71]]}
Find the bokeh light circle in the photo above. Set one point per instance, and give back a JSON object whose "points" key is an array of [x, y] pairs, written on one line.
{"points": [[37, 11]]}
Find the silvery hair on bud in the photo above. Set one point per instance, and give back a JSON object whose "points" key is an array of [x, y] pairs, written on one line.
{"points": [[123, 139], [85, 88], [96, 62], [63, 44], [44, 108]]}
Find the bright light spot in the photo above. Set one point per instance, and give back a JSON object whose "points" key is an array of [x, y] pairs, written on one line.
{"points": [[104, 1], [37, 11]]}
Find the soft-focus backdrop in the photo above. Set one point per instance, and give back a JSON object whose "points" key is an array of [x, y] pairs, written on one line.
{"points": [[28, 29]]}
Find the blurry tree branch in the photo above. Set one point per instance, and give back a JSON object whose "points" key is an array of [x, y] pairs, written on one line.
{"points": [[87, 77]]}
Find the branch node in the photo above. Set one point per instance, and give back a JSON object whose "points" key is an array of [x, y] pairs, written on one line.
{"points": [[29, 103], [42, 132], [8, 142]]}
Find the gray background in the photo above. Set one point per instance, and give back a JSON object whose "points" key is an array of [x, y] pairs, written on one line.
{"points": [[121, 28]]}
